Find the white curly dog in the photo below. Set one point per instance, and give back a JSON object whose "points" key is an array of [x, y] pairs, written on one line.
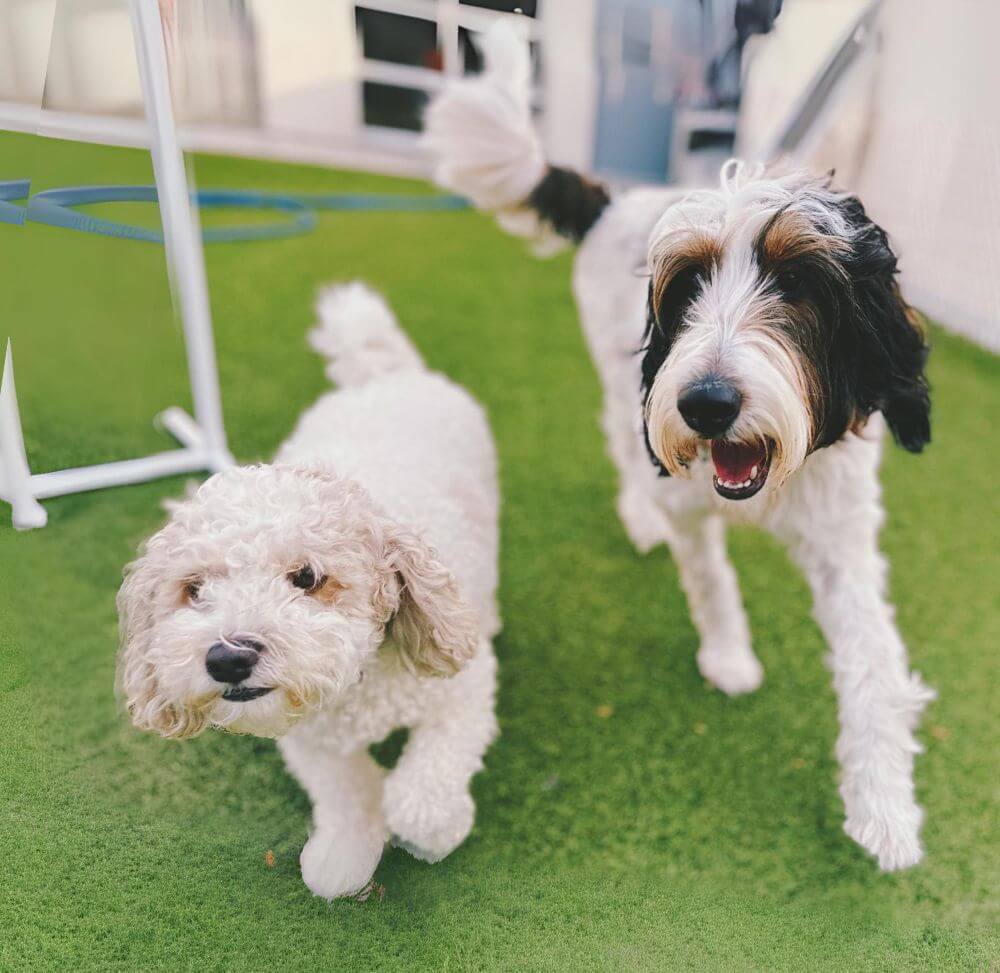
{"points": [[341, 593]]}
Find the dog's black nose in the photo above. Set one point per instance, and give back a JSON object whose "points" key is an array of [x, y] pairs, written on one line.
{"points": [[710, 406], [232, 661]]}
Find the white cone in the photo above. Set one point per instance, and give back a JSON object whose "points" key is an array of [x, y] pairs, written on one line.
{"points": [[15, 475]]}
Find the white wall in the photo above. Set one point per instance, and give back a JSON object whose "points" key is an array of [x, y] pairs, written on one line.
{"points": [[931, 172], [25, 38], [307, 56], [570, 81], [916, 133], [778, 67]]}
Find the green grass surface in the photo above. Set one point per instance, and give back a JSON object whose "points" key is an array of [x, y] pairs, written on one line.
{"points": [[683, 831]]}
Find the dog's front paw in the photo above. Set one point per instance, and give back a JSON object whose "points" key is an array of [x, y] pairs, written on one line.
{"points": [[642, 520], [429, 822], [894, 839], [734, 671], [336, 863]]}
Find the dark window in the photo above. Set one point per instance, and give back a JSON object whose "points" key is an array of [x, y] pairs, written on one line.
{"points": [[528, 7], [709, 139], [393, 106], [472, 59], [399, 39]]}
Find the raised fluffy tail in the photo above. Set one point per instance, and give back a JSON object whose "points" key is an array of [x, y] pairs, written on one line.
{"points": [[359, 336], [481, 134]]}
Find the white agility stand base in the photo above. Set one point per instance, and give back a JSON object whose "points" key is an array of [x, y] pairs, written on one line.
{"points": [[15, 477], [203, 438]]}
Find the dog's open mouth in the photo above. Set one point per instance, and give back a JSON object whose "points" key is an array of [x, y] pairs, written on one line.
{"points": [[740, 468], [243, 694]]}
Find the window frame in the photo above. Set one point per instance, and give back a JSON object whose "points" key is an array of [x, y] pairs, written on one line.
{"points": [[447, 16]]}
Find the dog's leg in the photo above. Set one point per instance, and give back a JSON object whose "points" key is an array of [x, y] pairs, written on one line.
{"points": [[642, 519], [349, 831], [725, 657], [427, 803], [879, 699]]}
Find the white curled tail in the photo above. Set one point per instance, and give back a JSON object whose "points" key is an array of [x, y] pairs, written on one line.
{"points": [[359, 336], [480, 130], [484, 144]]}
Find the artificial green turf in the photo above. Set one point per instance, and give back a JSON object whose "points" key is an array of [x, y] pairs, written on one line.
{"points": [[683, 831]]}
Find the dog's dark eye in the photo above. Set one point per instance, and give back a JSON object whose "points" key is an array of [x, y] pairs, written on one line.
{"points": [[790, 283], [306, 579], [191, 590], [686, 285], [690, 283]]}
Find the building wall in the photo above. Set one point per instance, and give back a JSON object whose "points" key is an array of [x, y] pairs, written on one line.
{"points": [[931, 172], [915, 130]]}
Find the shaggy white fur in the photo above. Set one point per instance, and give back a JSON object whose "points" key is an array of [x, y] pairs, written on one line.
{"points": [[483, 136], [825, 505], [354, 582]]}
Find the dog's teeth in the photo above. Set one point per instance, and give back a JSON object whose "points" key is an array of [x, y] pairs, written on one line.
{"points": [[753, 472], [733, 484]]}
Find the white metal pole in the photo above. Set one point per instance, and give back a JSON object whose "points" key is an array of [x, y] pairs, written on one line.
{"points": [[181, 231], [15, 476]]}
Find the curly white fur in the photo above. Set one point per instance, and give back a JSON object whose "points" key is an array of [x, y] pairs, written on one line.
{"points": [[386, 489]]}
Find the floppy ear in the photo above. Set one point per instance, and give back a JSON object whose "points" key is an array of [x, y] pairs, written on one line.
{"points": [[907, 405], [891, 351], [435, 631], [136, 684], [135, 681], [654, 351]]}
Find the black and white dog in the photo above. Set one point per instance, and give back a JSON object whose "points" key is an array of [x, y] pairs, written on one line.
{"points": [[775, 348]]}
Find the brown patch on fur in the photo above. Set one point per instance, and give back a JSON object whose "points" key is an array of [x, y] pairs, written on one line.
{"points": [[190, 589], [675, 456], [790, 236], [915, 318], [680, 251], [858, 423], [178, 723], [295, 701], [329, 591]]}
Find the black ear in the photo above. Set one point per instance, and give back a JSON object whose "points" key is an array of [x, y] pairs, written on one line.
{"points": [[655, 347], [890, 351]]}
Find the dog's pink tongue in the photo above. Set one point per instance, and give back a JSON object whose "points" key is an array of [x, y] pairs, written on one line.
{"points": [[734, 461]]}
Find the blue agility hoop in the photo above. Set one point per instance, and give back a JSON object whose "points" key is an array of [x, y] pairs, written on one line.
{"points": [[13, 189], [383, 202], [54, 207]]}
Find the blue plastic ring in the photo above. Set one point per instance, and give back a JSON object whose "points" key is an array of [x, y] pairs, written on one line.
{"points": [[14, 189], [54, 207]]}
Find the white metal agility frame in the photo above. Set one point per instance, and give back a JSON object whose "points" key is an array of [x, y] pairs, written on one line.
{"points": [[202, 438]]}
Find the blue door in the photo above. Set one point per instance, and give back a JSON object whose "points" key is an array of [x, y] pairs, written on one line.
{"points": [[641, 51]]}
